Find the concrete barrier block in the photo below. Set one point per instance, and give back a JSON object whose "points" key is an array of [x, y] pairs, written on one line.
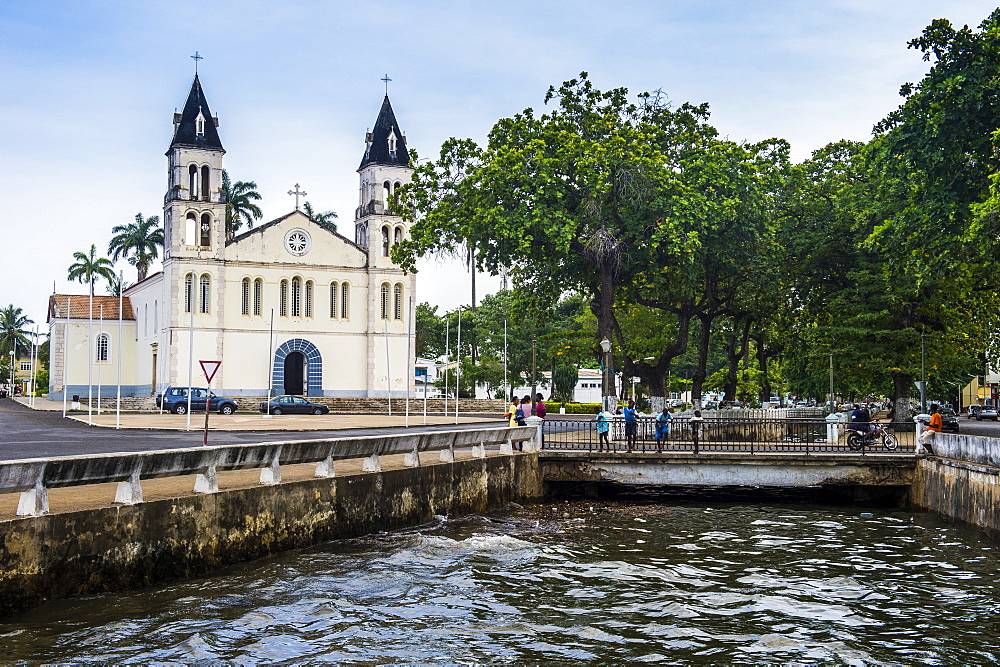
{"points": [[372, 464]]}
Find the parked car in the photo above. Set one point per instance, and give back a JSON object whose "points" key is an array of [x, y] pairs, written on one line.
{"points": [[974, 410], [175, 399], [949, 420], [987, 412], [292, 405]]}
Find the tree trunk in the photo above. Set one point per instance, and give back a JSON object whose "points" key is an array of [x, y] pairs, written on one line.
{"points": [[765, 382], [736, 351], [901, 383], [701, 370], [603, 308]]}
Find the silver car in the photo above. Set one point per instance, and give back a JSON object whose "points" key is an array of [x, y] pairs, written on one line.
{"points": [[987, 412]]}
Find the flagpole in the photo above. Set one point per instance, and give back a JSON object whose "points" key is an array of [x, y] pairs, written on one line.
{"points": [[34, 370], [118, 403], [190, 352], [270, 361], [90, 356], [388, 372], [447, 358], [409, 358], [458, 362], [99, 363], [69, 302]]}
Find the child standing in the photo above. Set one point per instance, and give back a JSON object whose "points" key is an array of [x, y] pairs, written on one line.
{"points": [[662, 428], [602, 431]]}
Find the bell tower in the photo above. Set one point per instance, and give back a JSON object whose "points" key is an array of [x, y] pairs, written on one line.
{"points": [[194, 213], [384, 168]]}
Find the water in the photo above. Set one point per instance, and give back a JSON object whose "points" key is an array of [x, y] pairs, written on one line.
{"points": [[570, 582]]}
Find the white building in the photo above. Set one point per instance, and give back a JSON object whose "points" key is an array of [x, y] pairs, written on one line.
{"points": [[288, 306]]}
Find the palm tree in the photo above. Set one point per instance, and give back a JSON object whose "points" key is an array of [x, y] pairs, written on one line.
{"points": [[115, 286], [14, 331], [239, 198], [89, 267], [138, 241], [326, 219]]}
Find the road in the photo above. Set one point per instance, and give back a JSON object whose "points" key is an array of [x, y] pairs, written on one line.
{"points": [[26, 433], [972, 427]]}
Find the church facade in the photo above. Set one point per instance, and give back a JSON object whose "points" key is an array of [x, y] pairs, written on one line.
{"points": [[289, 306]]}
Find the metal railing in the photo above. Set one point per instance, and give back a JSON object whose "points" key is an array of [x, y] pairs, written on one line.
{"points": [[751, 436]]}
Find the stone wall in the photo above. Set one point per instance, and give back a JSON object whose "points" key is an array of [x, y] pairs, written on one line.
{"points": [[131, 546], [961, 480]]}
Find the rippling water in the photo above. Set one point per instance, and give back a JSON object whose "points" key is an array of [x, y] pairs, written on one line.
{"points": [[571, 582]]}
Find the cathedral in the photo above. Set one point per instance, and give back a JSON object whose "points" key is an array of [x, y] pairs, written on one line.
{"points": [[288, 307]]}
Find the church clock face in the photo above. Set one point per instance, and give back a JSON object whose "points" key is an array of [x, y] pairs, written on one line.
{"points": [[298, 242]]}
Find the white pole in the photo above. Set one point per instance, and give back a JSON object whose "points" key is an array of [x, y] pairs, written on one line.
{"points": [[118, 403], [426, 377], [458, 362], [190, 351], [34, 363], [69, 302], [507, 389], [90, 356], [99, 362], [388, 372], [270, 361], [409, 357], [447, 358]]}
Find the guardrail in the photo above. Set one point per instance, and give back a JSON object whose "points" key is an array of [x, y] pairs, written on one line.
{"points": [[32, 478], [753, 436]]}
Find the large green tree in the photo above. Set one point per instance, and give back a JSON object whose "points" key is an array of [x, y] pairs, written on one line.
{"points": [[240, 208], [138, 242], [88, 267]]}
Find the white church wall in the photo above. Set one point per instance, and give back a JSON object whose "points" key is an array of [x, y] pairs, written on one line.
{"points": [[103, 376]]}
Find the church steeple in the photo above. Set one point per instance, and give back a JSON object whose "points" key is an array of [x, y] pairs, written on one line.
{"points": [[386, 143], [195, 126]]}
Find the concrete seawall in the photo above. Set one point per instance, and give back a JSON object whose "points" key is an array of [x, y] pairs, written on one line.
{"points": [[130, 546], [961, 481]]}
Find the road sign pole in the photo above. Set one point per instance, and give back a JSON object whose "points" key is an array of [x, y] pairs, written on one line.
{"points": [[208, 410], [209, 368]]}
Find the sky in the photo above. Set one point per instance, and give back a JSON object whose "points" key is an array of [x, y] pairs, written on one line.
{"points": [[90, 88]]}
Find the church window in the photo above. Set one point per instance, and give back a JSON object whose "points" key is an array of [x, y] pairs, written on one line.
{"points": [[205, 182], [283, 299], [193, 182], [385, 241], [188, 292], [206, 230], [258, 293], [392, 144], [333, 300], [385, 301], [345, 291], [145, 321], [199, 125], [204, 289], [191, 229], [245, 297], [395, 195], [397, 301], [387, 194], [398, 236], [156, 317], [309, 298], [103, 352], [296, 297]]}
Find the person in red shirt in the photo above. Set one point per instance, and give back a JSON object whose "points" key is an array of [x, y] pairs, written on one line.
{"points": [[539, 409], [933, 427]]}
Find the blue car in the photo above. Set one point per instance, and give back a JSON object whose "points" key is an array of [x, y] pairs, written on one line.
{"points": [[175, 399]]}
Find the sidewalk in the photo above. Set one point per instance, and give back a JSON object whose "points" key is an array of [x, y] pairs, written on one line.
{"points": [[250, 422]]}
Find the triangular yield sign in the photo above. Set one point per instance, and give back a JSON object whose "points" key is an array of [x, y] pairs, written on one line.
{"points": [[209, 368]]}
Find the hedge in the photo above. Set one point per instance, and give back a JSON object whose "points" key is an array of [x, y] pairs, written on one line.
{"points": [[552, 409]]}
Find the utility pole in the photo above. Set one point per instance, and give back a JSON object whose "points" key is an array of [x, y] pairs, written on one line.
{"points": [[832, 405], [923, 374], [534, 359]]}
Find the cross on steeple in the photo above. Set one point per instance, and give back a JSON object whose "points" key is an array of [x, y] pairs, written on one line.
{"points": [[387, 80], [298, 193], [196, 58]]}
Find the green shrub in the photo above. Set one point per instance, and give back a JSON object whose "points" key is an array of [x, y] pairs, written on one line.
{"points": [[572, 408]]}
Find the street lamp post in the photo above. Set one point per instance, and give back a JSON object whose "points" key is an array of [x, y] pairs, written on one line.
{"points": [[832, 403], [606, 348], [12, 374]]}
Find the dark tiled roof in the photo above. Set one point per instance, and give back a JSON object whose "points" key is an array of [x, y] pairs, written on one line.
{"points": [[79, 307], [378, 151], [186, 132]]}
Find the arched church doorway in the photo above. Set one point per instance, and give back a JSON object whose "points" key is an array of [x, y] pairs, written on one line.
{"points": [[295, 373]]}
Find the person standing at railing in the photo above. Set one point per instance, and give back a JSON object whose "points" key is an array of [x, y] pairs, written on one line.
{"points": [[631, 424], [697, 421], [662, 428], [539, 409], [512, 411], [602, 431]]}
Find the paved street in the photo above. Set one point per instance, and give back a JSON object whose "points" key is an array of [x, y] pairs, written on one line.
{"points": [[972, 427], [26, 433]]}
